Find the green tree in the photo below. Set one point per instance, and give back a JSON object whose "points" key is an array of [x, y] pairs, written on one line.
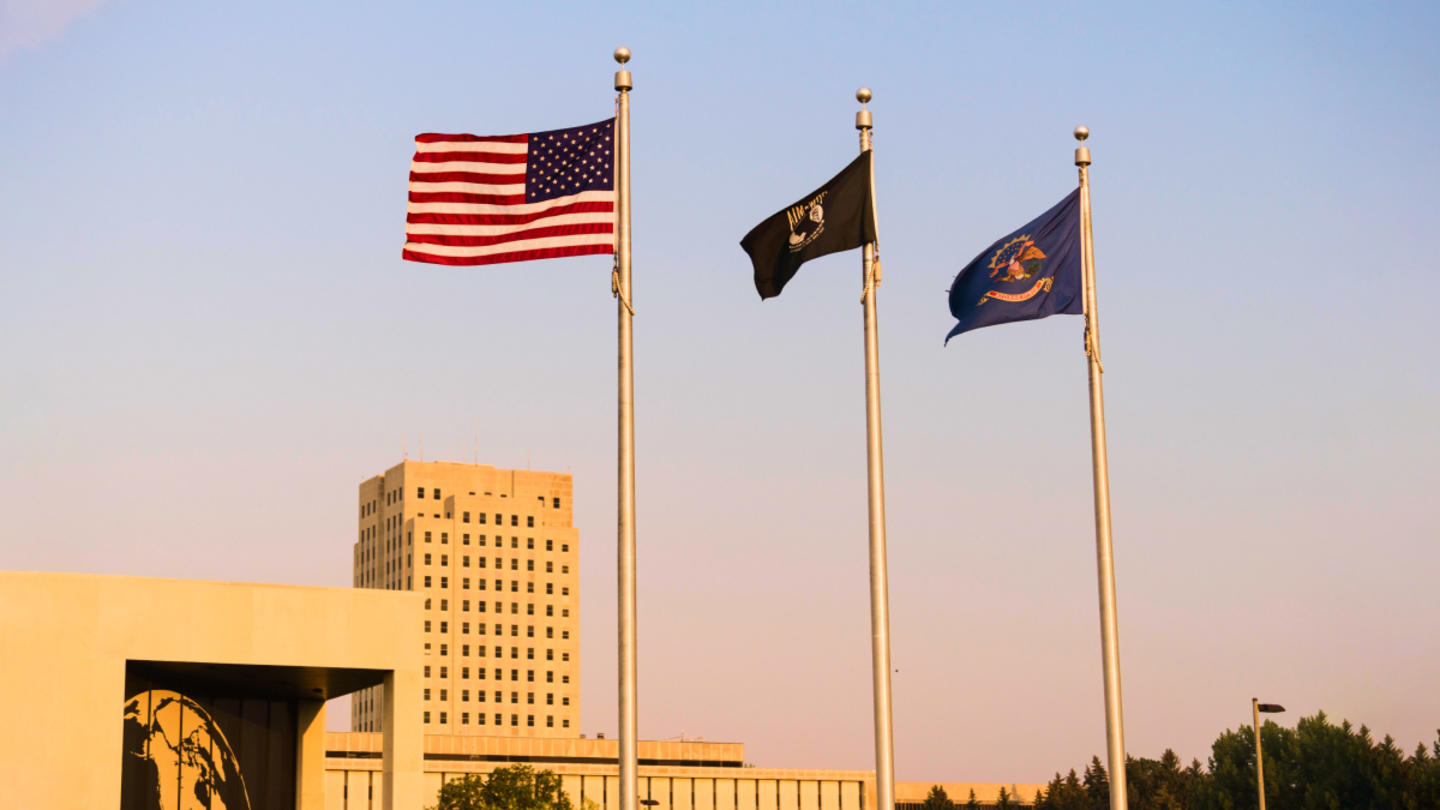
{"points": [[518, 787], [1003, 800], [1066, 794], [937, 799], [972, 804]]}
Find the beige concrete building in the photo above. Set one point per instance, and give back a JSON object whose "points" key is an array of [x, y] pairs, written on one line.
{"points": [[496, 555], [162, 693], [673, 775]]}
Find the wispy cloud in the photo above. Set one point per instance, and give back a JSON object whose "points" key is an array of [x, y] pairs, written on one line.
{"points": [[31, 23]]}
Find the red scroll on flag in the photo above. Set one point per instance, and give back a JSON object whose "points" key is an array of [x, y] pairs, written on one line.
{"points": [[511, 198]]}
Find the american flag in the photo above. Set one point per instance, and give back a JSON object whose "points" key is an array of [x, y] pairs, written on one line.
{"points": [[512, 198]]}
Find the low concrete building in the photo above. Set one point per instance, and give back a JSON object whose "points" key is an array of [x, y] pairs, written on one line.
{"points": [[162, 693], [673, 775]]}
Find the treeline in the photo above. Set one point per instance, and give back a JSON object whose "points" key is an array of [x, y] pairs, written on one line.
{"points": [[1314, 766]]}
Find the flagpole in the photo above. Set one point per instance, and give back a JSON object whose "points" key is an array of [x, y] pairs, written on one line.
{"points": [[625, 541], [1104, 550], [875, 458]]}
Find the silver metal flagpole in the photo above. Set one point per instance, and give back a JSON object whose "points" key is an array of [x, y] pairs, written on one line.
{"points": [[875, 458], [625, 542], [1104, 550]]}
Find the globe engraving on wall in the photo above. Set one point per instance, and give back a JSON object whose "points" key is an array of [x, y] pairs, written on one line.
{"points": [[177, 758]]}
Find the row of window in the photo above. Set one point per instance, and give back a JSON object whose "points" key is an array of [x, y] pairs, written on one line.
{"points": [[499, 541], [499, 674], [500, 721], [500, 607], [500, 697], [499, 629], [499, 652], [499, 563], [499, 585]]}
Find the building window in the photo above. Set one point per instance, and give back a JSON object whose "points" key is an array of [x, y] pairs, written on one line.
{"points": [[444, 672], [427, 670], [427, 537], [514, 719], [445, 649], [549, 721], [437, 494], [442, 718], [514, 542], [444, 582], [427, 558], [444, 537], [530, 521], [427, 714], [564, 656], [549, 676], [427, 625], [514, 585], [480, 717], [564, 547], [549, 655], [427, 580], [465, 539], [427, 693], [529, 719], [565, 723], [465, 561], [530, 608], [529, 565], [465, 627], [465, 672], [514, 652], [465, 650], [565, 701], [564, 613], [514, 607], [480, 539], [499, 521], [549, 698], [481, 604], [465, 518], [565, 591], [479, 562], [465, 583], [444, 627], [480, 518], [444, 558], [427, 603], [563, 633], [557, 503], [530, 630], [549, 588], [464, 718], [420, 492], [549, 610], [514, 563], [549, 545]]}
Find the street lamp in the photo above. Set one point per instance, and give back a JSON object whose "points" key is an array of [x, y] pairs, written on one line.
{"points": [[1257, 707]]}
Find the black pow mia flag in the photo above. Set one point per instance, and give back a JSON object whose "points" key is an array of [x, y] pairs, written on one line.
{"points": [[837, 216]]}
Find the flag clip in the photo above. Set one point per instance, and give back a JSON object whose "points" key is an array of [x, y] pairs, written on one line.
{"points": [[1093, 351], [615, 288]]}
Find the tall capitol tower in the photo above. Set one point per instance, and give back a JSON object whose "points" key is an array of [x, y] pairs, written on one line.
{"points": [[497, 556]]}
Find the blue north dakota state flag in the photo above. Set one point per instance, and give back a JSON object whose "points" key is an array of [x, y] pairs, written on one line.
{"points": [[1030, 273]]}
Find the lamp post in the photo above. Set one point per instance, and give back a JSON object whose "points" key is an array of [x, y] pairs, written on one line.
{"points": [[1256, 707]]}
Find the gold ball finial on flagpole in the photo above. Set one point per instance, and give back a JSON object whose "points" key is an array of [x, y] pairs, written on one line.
{"points": [[863, 121], [1082, 132], [863, 95], [623, 81], [1082, 152]]}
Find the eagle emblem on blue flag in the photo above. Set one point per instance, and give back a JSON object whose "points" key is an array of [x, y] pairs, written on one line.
{"points": [[1030, 273]]}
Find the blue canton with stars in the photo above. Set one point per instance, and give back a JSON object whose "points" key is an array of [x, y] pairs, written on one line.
{"points": [[568, 161]]}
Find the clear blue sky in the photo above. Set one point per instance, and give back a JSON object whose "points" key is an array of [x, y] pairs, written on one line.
{"points": [[211, 339]]}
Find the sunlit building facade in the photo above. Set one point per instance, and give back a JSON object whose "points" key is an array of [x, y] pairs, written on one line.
{"points": [[496, 554]]}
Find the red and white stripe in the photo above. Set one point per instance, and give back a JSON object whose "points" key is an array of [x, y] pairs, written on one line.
{"points": [[467, 206]]}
